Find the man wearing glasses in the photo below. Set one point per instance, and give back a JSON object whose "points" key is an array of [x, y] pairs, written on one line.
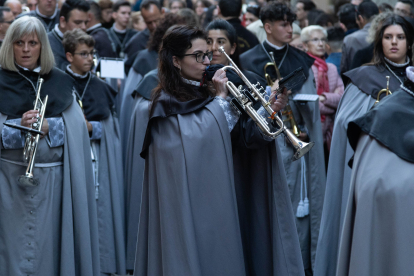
{"points": [[6, 18]]}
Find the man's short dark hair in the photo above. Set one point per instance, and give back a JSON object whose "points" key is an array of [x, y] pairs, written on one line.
{"points": [[307, 4], [119, 4], [276, 12], [367, 10], [346, 16], [95, 10], [324, 20], [408, 2], [230, 8], [335, 37], [2, 10], [71, 5], [146, 4]]}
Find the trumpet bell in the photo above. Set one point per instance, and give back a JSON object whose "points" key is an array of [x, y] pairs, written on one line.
{"points": [[28, 180], [302, 149]]}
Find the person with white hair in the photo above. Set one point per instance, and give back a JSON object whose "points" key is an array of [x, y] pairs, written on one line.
{"points": [[15, 6], [48, 222], [329, 84]]}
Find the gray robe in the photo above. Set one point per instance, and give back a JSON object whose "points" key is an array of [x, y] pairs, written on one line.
{"points": [[308, 226], [354, 103], [377, 237], [191, 203], [50, 229], [134, 163], [110, 201]]}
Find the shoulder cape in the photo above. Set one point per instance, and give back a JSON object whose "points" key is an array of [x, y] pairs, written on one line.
{"points": [[18, 96], [165, 106], [145, 61], [390, 122], [371, 79]]}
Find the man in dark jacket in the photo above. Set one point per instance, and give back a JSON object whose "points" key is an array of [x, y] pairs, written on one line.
{"points": [[230, 10], [47, 12]]}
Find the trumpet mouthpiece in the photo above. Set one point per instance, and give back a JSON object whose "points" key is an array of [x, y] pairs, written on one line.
{"points": [[221, 49]]}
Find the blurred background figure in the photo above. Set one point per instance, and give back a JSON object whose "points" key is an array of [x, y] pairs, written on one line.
{"points": [[385, 7], [15, 6], [176, 5], [190, 17], [47, 11], [404, 8], [302, 9], [325, 20], [336, 37], [137, 21], [329, 84], [6, 18], [31, 4], [252, 14], [200, 8], [106, 13], [296, 40], [346, 17]]}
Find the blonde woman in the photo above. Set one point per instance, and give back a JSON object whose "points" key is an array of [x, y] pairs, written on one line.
{"points": [[47, 225]]}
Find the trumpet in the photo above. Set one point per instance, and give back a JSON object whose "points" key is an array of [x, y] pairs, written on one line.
{"points": [[288, 110], [32, 138], [243, 101], [387, 91]]}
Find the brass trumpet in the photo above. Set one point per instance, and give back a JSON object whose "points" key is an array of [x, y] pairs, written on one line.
{"points": [[288, 110], [32, 138], [387, 91], [243, 101]]}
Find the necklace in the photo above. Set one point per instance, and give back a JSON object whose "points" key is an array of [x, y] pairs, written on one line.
{"points": [[407, 90], [37, 85], [84, 90], [392, 72], [121, 44], [283, 58]]}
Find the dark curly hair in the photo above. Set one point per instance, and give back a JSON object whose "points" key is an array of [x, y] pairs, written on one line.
{"points": [[169, 20], [408, 29], [276, 12], [176, 41]]}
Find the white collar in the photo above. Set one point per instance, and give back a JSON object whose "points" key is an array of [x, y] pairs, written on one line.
{"points": [[58, 31], [410, 73], [96, 26], [45, 16], [195, 83], [118, 30], [397, 64], [36, 70], [275, 46], [75, 74]]}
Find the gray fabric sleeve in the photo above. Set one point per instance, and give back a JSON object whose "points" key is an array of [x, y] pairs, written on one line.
{"points": [[56, 135], [231, 115], [96, 130], [12, 138]]}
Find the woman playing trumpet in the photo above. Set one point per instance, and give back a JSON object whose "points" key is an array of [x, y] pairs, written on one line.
{"points": [[46, 228], [189, 199]]}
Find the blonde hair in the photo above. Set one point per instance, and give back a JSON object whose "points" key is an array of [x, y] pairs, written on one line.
{"points": [[307, 32], [26, 25]]}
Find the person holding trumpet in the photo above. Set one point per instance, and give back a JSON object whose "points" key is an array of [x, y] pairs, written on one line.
{"points": [[48, 213]]}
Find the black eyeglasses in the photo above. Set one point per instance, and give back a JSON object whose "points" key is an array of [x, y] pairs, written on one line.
{"points": [[201, 56], [86, 54]]}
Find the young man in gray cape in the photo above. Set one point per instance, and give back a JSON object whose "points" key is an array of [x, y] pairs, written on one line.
{"points": [[305, 177]]}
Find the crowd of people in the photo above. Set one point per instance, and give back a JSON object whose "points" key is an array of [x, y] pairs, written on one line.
{"points": [[248, 137]]}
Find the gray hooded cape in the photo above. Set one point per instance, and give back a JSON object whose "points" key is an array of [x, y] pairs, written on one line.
{"points": [[50, 229], [189, 222]]}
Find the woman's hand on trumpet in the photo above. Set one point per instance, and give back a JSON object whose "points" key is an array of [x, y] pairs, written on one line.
{"points": [[219, 81], [31, 117]]}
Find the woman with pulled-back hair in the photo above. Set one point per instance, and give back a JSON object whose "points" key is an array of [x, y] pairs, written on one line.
{"points": [[392, 55], [189, 219]]}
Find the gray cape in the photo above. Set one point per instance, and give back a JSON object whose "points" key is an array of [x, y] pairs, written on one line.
{"points": [[202, 202], [60, 236], [110, 202], [58, 51], [144, 62], [354, 103], [134, 163], [377, 236]]}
